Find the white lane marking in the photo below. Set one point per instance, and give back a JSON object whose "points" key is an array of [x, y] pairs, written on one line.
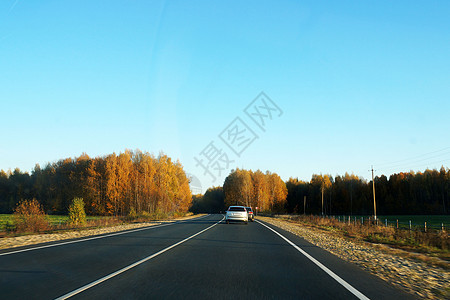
{"points": [[97, 237], [94, 283], [344, 283]]}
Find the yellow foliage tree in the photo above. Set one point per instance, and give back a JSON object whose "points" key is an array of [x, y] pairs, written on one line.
{"points": [[323, 181]]}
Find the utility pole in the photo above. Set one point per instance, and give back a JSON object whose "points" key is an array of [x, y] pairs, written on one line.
{"points": [[322, 197], [351, 197], [330, 204], [374, 202], [304, 205]]}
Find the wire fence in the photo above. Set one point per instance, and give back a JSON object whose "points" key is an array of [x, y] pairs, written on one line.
{"points": [[425, 226]]}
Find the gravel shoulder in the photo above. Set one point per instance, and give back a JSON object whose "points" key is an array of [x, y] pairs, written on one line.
{"points": [[26, 240], [424, 280]]}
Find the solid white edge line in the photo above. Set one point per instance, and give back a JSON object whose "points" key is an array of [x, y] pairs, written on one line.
{"points": [[98, 237], [344, 283], [94, 283]]}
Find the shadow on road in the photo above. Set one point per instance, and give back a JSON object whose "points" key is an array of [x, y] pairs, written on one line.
{"points": [[25, 272]]}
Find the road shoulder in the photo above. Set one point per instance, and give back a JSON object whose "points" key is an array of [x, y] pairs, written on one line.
{"points": [[27, 240], [415, 277]]}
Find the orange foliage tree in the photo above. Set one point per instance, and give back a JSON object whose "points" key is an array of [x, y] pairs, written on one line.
{"points": [[114, 184], [30, 217], [256, 189]]}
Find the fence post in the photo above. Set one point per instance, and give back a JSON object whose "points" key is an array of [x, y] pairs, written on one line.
{"points": [[425, 226], [397, 223], [442, 227], [409, 225], [385, 221], [362, 221], [355, 222]]}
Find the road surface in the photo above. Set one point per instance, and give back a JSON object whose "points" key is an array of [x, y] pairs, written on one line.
{"points": [[199, 258]]}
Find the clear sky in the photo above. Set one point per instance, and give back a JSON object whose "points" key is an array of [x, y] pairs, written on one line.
{"points": [[357, 83]]}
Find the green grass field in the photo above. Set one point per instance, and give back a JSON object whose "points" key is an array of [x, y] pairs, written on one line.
{"points": [[54, 219], [433, 221], [417, 221]]}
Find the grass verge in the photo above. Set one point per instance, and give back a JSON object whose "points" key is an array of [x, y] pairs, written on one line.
{"points": [[60, 223], [422, 245]]}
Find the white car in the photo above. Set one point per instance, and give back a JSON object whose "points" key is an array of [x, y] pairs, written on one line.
{"points": [[236, 213]]}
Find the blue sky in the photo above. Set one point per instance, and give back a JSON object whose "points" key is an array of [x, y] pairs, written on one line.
{"points": [[359, 82]]}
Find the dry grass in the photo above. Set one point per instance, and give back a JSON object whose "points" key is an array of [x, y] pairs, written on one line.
{"points": [[94, 227], [37, 222], [434, 244]]}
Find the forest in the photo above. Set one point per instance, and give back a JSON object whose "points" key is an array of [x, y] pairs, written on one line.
{"points": [[262, 191], [135, 181], [421, 193], [132, 181]]}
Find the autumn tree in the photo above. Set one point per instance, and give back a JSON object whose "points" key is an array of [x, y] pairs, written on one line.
{"points": [[213, 201], [112, 185], [183, 196], [246, 187], [297, 191], [324, 182], [77, 214], [260, 191], [30, 217], [243, 187], [277, 192], [231, 189], [4, 191], [116, 184]]}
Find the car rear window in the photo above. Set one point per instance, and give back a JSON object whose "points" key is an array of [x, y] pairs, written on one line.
{"points": [[236, 208], [249, 209]]}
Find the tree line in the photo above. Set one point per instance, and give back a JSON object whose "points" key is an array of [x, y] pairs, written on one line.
{"points": [[265, 191], [425, 192], [132, 181], [401, 194]]}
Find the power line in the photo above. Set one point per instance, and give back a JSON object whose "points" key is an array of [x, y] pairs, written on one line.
{"points": [[422, 165], [414, 157], [414, 162]]}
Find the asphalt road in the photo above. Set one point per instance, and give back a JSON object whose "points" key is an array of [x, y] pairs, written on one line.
{"points": [[220, 262]]}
